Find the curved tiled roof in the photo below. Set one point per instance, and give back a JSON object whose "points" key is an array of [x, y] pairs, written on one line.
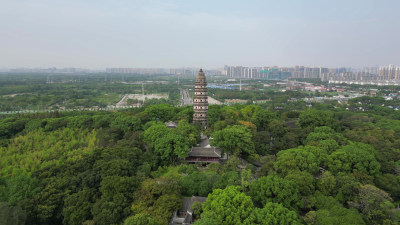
{"points": [[205, 152]]}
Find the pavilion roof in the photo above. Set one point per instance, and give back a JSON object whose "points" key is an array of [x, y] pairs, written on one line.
{"points": [[205, 152], [171, 124]]}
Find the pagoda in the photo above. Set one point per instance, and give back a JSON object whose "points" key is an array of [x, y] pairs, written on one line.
{"points": [[200, 101]]}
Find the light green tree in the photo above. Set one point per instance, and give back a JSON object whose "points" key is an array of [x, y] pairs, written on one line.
{"points": [[227, 207], [326, 183], [246, 179], [249, 112], [307, 158], [303, 180], [140, 219], [171, 147], [234, 140], [272, 214]]}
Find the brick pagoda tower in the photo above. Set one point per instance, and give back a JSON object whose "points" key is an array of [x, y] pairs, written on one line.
{"points": [[200, 101]]}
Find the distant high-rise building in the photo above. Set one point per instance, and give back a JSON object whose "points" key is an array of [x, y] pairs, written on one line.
{"points": [[242, 72], [371, 70], [397, 73], [388, 73], [200, 101], [137, 70]]}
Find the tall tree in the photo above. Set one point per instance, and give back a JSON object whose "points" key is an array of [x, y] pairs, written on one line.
{"points": [[316, 118], [355, 157], [171, 147], [140, 219], [373, 203], [272, 214], [226, 207], [275, 189], [308, 158], [234, 140]]}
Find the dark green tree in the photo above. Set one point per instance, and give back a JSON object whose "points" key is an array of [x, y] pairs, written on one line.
{"points": [[77, 207], [356, 157], [316, 118], [11, 215], [275, 189]]}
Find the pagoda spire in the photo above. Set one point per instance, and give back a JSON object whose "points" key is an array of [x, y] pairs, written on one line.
{"points": [[200, 101]]}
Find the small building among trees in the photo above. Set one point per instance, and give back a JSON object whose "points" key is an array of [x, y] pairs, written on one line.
{"points": [[171, 124], [184, 216], [205, 153]]}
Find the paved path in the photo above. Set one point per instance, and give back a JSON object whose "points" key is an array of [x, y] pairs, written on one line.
{"points": [[122, 102], [185, 98], [213, 101]]}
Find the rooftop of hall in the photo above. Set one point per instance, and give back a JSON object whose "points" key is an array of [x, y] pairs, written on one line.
{"points": [[171, 124], [211, 152]]}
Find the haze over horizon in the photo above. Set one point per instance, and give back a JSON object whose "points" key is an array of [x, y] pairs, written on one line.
{"points": [[208, 34]]}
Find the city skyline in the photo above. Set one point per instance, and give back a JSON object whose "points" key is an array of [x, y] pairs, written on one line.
{"points": [[131, 69], [168, 34]]}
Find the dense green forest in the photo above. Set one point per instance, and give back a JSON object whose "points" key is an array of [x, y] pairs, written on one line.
{"points": [[318, 165]]}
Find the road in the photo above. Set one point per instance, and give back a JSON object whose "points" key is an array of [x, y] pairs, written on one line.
{"points": [[122, 102], [185, 98]]}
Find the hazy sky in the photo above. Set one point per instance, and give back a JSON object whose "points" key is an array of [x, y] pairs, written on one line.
{"points": [[201, 33]]}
